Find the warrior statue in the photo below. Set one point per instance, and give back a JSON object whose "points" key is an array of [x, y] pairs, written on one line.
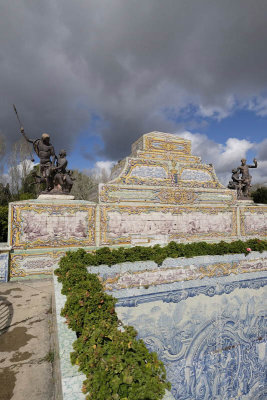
{"points": [[45, 151], [242, 184], [57, 178]]}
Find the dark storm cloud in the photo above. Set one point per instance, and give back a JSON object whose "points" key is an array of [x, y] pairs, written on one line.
{"points": [[129, 62]]}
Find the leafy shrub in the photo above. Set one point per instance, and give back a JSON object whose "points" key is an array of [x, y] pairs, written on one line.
{"points": [[117, 365], [260, 195]]}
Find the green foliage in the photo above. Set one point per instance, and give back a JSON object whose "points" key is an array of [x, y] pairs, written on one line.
{"points": [[117, 365], [260, 195], [3, 223], [108, 256]]}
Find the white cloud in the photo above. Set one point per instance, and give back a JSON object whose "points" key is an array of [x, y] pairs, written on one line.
{"points": [[126, 61], [101, 170], [101, 166], [258, 105], [226, 157]]}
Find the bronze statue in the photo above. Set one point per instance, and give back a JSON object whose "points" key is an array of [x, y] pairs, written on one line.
{"points": [[57, 178], [62, 180], [45, 151], [242, 184]]}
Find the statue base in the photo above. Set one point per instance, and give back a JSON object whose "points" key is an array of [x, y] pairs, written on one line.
{"points": [[247, 202], [54, 196]]}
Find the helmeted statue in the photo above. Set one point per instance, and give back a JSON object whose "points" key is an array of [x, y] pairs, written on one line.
{"points": [[46, 153], [52, 168]]}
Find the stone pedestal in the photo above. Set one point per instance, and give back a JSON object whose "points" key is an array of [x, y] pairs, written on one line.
{"points": [[59, 197]]}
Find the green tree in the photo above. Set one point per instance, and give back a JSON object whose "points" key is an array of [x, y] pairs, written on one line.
{"points": [[3, 223], [82, 185], [260, 195]]}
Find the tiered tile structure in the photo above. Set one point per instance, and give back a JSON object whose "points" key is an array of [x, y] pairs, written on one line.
{"points": [[160, 193]]}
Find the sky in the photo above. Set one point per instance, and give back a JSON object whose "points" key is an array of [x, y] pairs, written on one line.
{"points": [[97, 74]]}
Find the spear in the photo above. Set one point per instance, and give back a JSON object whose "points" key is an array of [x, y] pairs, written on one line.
{"points": [[21, 127]]}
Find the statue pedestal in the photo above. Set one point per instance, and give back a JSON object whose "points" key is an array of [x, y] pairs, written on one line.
{"points": [[245, 202], [55, 197]]}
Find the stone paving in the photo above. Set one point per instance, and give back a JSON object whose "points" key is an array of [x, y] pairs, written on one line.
{"points": [[27, 340]]}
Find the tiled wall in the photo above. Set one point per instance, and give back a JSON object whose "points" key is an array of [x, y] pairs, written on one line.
{"points": [[205, 317], [4, 261]]}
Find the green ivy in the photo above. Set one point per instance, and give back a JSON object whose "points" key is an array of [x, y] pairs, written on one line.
{"points": [[117, 365]]}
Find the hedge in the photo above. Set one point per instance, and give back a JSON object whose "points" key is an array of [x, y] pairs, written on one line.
{"points": [[117, 365], [108, 256]]}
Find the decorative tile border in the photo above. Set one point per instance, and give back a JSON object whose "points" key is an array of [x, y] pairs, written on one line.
{"points": [[160, 276], [26, 264], [177, 295]]}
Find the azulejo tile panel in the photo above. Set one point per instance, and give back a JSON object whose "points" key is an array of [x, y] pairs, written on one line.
{"points": [[253, 221], [4, 258], [161, 275], [122, 224], [210, 330], [211, 336], [38, 225]]}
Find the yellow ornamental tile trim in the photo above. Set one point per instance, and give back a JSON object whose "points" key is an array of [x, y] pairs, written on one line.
{"points": [[190, 272], [167, 156], [165, 145], [17, 269], [177, 196]]}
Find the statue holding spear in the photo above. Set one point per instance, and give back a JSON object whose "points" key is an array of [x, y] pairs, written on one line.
{"points": [[46, 153]]}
